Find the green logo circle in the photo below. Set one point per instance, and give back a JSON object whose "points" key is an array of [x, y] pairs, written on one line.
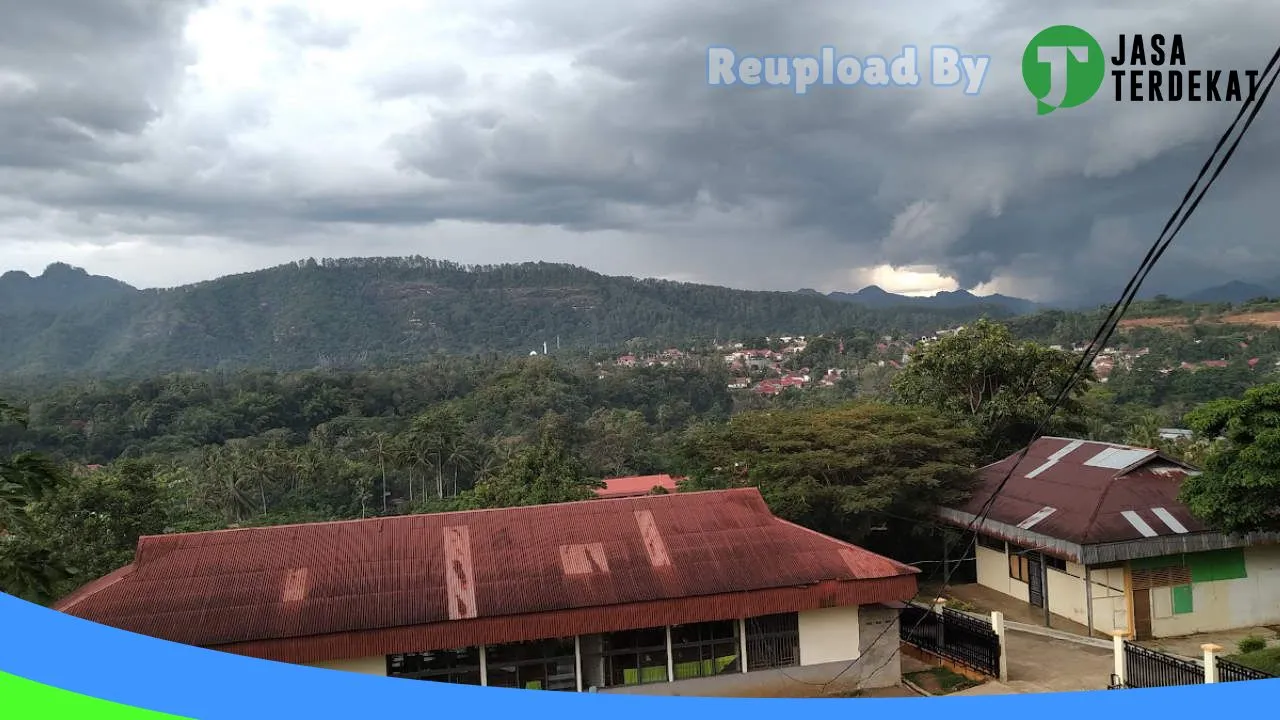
{"points": [[1063, 66]]}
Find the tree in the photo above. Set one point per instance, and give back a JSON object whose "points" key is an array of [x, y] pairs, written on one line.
{"points": [[1002, 386], [91, 524], [841, 471], [1239, 489], [542, 473], [27, 569]]}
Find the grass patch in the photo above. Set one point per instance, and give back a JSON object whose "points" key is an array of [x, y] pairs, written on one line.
{"points": [[941, 681], [1268, 660]]}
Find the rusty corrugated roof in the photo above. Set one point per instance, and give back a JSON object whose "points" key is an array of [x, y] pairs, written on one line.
{"points": [[1087, 492], [636, 485], [312, 592]]}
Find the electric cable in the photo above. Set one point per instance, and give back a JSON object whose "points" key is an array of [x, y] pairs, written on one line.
{"points": [[1248, 112]]}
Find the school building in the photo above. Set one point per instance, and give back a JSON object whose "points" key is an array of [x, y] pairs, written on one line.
{"points": [[703, 593]]}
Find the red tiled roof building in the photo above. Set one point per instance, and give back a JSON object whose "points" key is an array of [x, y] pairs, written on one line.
{"points": [[633, 594]]}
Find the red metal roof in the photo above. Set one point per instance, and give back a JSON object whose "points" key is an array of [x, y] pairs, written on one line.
{"points": [[307, 593], [633, 485], [1087, 492]]}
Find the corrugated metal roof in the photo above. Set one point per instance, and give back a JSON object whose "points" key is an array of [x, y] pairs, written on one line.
{"points": [[636, 485], [448, 576], [1087, 492]]}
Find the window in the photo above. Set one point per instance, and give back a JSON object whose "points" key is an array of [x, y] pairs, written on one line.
{"points": [[705, 649], [773, 641], [1182, 600], [1055, 563], [538, 665], [631, 657], [452, 666], [1019, 568]]}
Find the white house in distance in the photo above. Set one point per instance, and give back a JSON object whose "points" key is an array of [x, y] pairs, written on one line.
{"points": [[1078, 514], [703, 593]]}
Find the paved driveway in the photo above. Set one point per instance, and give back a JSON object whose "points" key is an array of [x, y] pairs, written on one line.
{"points": [[1039, 664]]}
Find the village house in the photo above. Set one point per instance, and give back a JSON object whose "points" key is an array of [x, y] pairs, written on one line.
{"points": [[704, 593], [1095, 531], [636, 485]]}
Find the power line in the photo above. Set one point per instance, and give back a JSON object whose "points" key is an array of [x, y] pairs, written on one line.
{"points": [[1248, 111]]}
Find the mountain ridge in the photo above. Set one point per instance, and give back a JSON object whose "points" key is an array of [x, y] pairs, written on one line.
{"points": [[359, 311]]}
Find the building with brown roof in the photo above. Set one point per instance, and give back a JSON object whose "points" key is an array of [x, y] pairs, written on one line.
{"points": [[636, 485], [688, 593], [1096, 531]]}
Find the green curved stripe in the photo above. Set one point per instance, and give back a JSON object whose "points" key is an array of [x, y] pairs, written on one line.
{"points": [[22, 699]]}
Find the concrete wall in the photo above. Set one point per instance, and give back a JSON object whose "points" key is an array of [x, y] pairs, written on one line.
{"points": [[1065, 590], [828, 635], [1225, 604], [1067, 596], [364, 666], [993, 572]]}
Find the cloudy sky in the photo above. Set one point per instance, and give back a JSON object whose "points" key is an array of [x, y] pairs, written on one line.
{"points": [[169, 141]]}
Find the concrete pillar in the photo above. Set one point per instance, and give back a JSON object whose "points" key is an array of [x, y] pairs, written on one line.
{"points": [[997, 624], [742, 638], [1211, 661], [671, 658], [484, 667], [1117, 639], [577, 659]]}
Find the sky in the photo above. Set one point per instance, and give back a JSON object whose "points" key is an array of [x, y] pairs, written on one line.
{"points": [[164, 142]]}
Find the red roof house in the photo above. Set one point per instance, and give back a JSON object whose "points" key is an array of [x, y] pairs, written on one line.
{"points": [[1076, 519], [635, 485], [423, 596]]}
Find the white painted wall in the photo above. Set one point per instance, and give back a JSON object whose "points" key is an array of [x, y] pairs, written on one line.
{"points": [[364, 666], [993, 572], [1067, 596], [828, 635], [1225, 604]]}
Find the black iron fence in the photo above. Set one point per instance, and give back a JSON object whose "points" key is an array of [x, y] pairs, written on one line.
{"points": [[1235, 672], [1145, 668], [952, 635]]}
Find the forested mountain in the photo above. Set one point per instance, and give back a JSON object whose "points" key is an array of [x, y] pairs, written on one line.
{"points": [[60, 288], [360, 312], [877, 297]]}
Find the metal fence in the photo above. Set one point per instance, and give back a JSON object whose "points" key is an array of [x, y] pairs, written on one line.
{"points": [[952, 635], [1234, 672], [1144, 668]]}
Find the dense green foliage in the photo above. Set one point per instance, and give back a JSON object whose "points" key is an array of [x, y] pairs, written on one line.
{"points": [[841, 470], [866, 460], [1239, 490], [1002, 387]]}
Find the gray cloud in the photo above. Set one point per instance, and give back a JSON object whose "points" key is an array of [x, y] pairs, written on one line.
{"points": [[622, 133]]}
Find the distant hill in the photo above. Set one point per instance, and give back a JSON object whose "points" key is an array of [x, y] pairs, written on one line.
{"points": [[386, 310], [876, 297], [1233, 292], [59, 288]]}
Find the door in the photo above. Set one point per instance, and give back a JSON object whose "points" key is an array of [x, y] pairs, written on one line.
{"points": [[1035, 581], [1142, 614]]}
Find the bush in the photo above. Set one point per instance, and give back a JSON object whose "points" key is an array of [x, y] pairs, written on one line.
{"points": [[1253, 643]]}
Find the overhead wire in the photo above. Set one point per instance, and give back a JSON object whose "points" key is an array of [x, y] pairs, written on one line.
{"points": [[1177, 220]]}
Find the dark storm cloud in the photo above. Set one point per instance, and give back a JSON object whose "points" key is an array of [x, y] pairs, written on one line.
{"points": [[633, 138], [977, 185], [76, 75]]}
